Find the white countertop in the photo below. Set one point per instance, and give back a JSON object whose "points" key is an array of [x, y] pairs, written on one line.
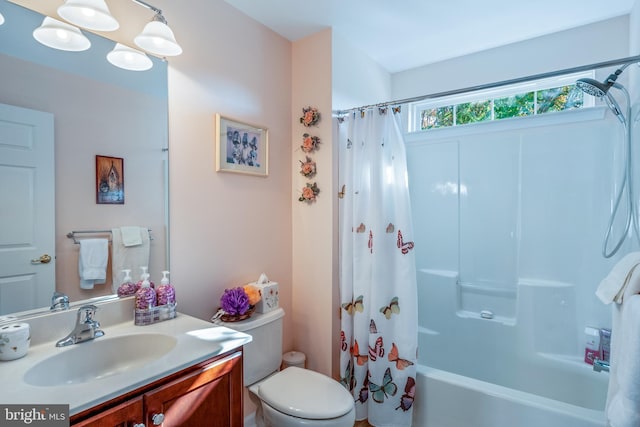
{"points": [[197, 340]]}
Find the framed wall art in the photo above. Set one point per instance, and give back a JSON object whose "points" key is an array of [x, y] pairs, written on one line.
{"points": [[109, 180], [241, 147]]}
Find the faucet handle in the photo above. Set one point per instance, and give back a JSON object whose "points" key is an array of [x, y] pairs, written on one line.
{"points": [[59, 301], [86, 313]]}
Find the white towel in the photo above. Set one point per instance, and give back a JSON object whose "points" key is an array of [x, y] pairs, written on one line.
{"points": [[132, 236], [623, 399], [622, 276], [128, 257], [92, 262]]}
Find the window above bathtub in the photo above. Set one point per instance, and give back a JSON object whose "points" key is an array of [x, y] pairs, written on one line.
{"points": [[549, 95]]}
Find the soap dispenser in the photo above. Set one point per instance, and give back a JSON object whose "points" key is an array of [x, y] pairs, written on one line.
{"points": [[142, 275], [145, 296], [166, 293], [127, 287]]}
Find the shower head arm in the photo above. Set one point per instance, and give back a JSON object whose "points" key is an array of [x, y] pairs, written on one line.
{"points": [[613, 77]]}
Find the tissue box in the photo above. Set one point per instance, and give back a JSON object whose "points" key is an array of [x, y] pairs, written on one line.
{"points": [[269, 298]]}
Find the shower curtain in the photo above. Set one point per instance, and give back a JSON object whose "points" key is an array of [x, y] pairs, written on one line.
{"points": [[378, 294]]}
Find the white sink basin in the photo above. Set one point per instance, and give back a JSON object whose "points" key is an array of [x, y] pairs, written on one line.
{"points": [[99, 358]]}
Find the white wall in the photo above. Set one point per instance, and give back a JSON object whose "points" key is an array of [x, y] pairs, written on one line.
{"points": [[357, 79], [585, 45]]}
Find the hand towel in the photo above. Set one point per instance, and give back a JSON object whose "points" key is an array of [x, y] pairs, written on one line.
{"points": [[624, 274], [128, 257], [623, 399], [132, 236], [92, 262]]}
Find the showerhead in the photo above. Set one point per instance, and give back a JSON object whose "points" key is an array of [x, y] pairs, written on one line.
{"points": [[601, 90], [597, 89], [593, 87]]}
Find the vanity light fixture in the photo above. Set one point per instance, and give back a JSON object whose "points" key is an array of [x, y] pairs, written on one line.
{"points": [[89, 14], [156, 37], [129, 59], [60, 35]]}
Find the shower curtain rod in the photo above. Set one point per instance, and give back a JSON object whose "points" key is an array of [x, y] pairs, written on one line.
{"points": [[627, 60]]}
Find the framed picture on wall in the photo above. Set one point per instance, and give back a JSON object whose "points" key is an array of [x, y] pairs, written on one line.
{"points": [[109, 180], [241, 147]]}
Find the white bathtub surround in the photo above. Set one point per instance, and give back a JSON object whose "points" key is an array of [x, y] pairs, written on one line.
{"points": [[377, 270], [621, 276], [525, 370], [519, 240]]}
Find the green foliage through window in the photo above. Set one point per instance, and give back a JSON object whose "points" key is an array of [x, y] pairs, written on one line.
{"points": [[559, 99], [514, 106], [518, 105], [437, 117], [473, 112]]}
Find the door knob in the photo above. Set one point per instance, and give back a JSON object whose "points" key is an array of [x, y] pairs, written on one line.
{"points": [[44, 259]]}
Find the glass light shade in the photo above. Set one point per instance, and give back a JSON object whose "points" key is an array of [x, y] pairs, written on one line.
{"points": [[60, 35], [129, 59], [89, 14], [158, 39], [1, 19]]}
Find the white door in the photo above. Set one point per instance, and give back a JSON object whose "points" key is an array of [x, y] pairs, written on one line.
{"points": [[27, 209]]}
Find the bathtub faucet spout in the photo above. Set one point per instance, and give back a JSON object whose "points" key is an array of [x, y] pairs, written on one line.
{"points": [[600, 365]]}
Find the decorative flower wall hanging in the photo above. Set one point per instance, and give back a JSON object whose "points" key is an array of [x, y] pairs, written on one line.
{"points": [[309, 193], [310, 116], [309, 143], [308, 167]]}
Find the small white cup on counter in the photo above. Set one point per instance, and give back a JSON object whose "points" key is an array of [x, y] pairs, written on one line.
{"points": [[14, 341]]}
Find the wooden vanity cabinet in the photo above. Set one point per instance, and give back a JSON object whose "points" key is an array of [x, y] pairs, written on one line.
{"points": [[208, 394]]}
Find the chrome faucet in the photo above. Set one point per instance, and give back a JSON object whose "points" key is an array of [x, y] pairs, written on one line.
{"points": [[59, 301], [86, 327], [600, 365]]}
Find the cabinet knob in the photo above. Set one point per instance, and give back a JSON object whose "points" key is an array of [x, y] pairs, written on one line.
{"points": [[139, 425], [157, 419]]}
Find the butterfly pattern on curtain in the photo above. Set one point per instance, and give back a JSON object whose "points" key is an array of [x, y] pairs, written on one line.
{"points": [[378, 338]]}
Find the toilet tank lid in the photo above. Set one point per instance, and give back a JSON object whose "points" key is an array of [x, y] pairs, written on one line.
{"points": [[305, 394], [255, 321]]}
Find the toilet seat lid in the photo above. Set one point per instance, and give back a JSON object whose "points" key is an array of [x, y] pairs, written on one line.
{"points": [[305, 394]]}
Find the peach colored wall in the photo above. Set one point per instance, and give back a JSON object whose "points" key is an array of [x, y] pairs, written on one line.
{"points": [[227, 228], [314, 254]]}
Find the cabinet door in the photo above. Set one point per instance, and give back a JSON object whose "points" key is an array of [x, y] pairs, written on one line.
{"points": [[128, 414], [211, 396]]}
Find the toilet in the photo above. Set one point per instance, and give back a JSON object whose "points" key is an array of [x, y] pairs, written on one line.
{"points": [[293, 396]]}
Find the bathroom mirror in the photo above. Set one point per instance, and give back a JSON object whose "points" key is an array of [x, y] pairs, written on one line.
{"points": [[97, 110]]}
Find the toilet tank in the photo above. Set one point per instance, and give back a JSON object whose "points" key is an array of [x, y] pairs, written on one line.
{"points": [[262, 356]]}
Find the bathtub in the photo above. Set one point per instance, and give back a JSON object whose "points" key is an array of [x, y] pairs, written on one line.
{"points": [[521, 367], [444, 399]]}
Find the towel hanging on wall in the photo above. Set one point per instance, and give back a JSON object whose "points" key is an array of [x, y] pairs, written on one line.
{"points": [[128, 257], [92, 262], [132, 236]]}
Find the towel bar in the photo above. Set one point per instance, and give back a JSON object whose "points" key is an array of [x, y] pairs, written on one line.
{"points": [[72, 234]]}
